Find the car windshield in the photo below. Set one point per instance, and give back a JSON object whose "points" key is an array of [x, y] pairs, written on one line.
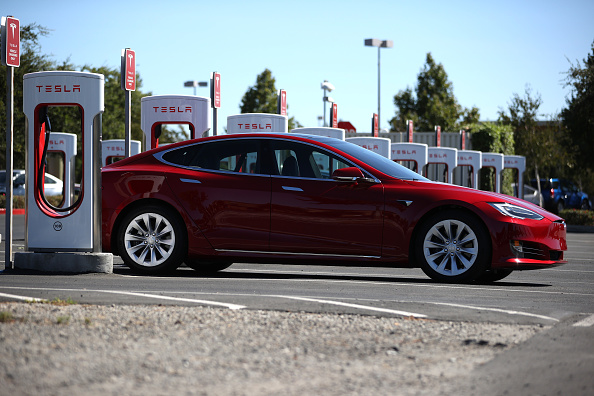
{"points": [[372, 159]]}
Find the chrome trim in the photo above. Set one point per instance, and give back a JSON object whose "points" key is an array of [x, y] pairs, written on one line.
{"points": [[404, 202], [189, 180], [298, 254], [288, 188]]}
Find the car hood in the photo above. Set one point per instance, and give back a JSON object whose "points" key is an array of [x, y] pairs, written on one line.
{"points": [[471, 196]]}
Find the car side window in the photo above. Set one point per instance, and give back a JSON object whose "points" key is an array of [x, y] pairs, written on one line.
{"points": [[241, 156], [302, 160]]}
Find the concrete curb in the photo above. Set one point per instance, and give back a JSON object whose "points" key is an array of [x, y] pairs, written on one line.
{"points": [[64, 262]]}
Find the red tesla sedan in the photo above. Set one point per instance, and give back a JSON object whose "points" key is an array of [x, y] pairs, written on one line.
{"points": [[306, 199]]}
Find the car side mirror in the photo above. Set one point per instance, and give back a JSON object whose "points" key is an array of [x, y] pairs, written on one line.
{"points": [[351, 174]]}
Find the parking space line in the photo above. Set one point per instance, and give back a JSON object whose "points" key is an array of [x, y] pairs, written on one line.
{"points": [[586, 322], [22, 298], [506, 311], [161, 297], [357, 306]]}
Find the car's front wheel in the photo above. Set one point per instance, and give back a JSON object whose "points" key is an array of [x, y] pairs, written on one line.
{"points": [[152, 239], [453, 246]]}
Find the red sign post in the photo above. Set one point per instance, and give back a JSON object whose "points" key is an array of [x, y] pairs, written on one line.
{"points": [[215, 98], [128, 70], [374, 125], [11, 42], [334, 115], [282, 102], [409, 130], [463, 139], [437, 136]]}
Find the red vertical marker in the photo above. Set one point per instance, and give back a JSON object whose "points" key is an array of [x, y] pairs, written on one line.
{"points": [[11, 40], [216, 90], [463, 139], [282, 102], [129, 70], [374, 125], [334, 115], [409, 128], [437, 136]]}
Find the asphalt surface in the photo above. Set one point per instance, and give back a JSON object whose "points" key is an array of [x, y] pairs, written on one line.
{"points": [[562, 298]]}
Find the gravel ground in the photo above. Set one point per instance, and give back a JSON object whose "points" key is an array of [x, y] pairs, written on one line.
{"points": [[49, 349]]}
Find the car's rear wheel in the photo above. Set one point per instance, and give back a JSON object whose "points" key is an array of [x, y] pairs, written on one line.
{"points": [[207, 267], [152, 239], [453, 246]]}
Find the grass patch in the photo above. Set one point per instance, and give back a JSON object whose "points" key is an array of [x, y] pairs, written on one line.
{"points": [[63, 320], [6, 317]]}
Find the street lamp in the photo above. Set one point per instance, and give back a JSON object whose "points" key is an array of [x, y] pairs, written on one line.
{"points": [[379, 44], [327, 87], [195, 84]]}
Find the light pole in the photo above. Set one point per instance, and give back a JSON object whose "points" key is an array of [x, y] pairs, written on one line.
{"points": [[327, 87], [379, 44], [195, 84]]}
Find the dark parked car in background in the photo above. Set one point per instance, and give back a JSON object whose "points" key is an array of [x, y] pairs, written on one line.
{"points": [[560, 194]]}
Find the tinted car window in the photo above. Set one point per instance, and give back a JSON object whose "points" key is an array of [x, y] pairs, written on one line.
{"points": [[242, 156], [304, 160]]}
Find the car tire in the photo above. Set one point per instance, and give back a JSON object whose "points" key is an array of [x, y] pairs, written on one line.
{"points": [[491, 276], [453, 246], [152, 239], [207, 267]]}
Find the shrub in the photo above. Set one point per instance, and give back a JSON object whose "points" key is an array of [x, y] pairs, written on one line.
{"points": [[578, 217]]}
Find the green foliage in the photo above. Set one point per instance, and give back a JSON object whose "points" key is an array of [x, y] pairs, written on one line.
{"points": [[263, 98], [578, 217], [18, 201], [493, 138], [433, 102], [579, 120]]}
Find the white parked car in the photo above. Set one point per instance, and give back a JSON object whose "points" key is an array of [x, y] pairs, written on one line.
{"points": [[52, 185], [530, 194]]}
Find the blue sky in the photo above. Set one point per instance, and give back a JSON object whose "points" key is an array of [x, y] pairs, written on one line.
{"points": [[490, 50]]}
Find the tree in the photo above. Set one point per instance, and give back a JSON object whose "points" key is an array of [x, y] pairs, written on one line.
{"points": [[578, 117], [432, 103], [31, 61], [263, 97], [540, 142]]}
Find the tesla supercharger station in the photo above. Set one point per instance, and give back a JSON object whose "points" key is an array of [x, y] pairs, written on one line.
{"points": [[155, 111], [336, 133], [518, 163], [446, 156], [495, 161], [257, 123], [63, 144], [473, 160], [115, 149], [76, 228], [378, 145], [416, 152]]}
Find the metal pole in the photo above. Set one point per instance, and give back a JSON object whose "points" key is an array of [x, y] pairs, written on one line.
{"points": [[8, 264], [215, 120], [324, 100], [378, 90], [128, 123]]}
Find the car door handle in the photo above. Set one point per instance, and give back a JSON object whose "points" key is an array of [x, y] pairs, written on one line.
{"points": [[190, 181], [289, 188]]}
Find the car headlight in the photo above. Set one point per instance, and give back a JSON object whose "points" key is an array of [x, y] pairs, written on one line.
{"points": [[515, 211]]}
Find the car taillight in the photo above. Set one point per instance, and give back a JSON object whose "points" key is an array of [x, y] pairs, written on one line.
{"points": [[552, 193]]}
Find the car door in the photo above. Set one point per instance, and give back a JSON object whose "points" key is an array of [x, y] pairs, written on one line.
{"points": [[222, 187], [313, 214]]}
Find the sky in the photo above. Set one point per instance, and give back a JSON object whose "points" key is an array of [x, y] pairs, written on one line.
{"points": [[490, 50]]}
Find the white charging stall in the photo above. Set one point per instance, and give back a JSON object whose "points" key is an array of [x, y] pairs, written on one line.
{"points": [[473, 160], [517, 162], [336, 133], [416, 152], [65, 145], [446, 156], [378, 145], [257, 123], [495, 161], [115, 149], [159, 110], [76, 228]]}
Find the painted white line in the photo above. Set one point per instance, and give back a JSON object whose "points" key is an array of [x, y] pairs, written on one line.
{"points": [[506, 311], [357, 306], [586, 322], [159, 297], [22, 298], [146, 295]]}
